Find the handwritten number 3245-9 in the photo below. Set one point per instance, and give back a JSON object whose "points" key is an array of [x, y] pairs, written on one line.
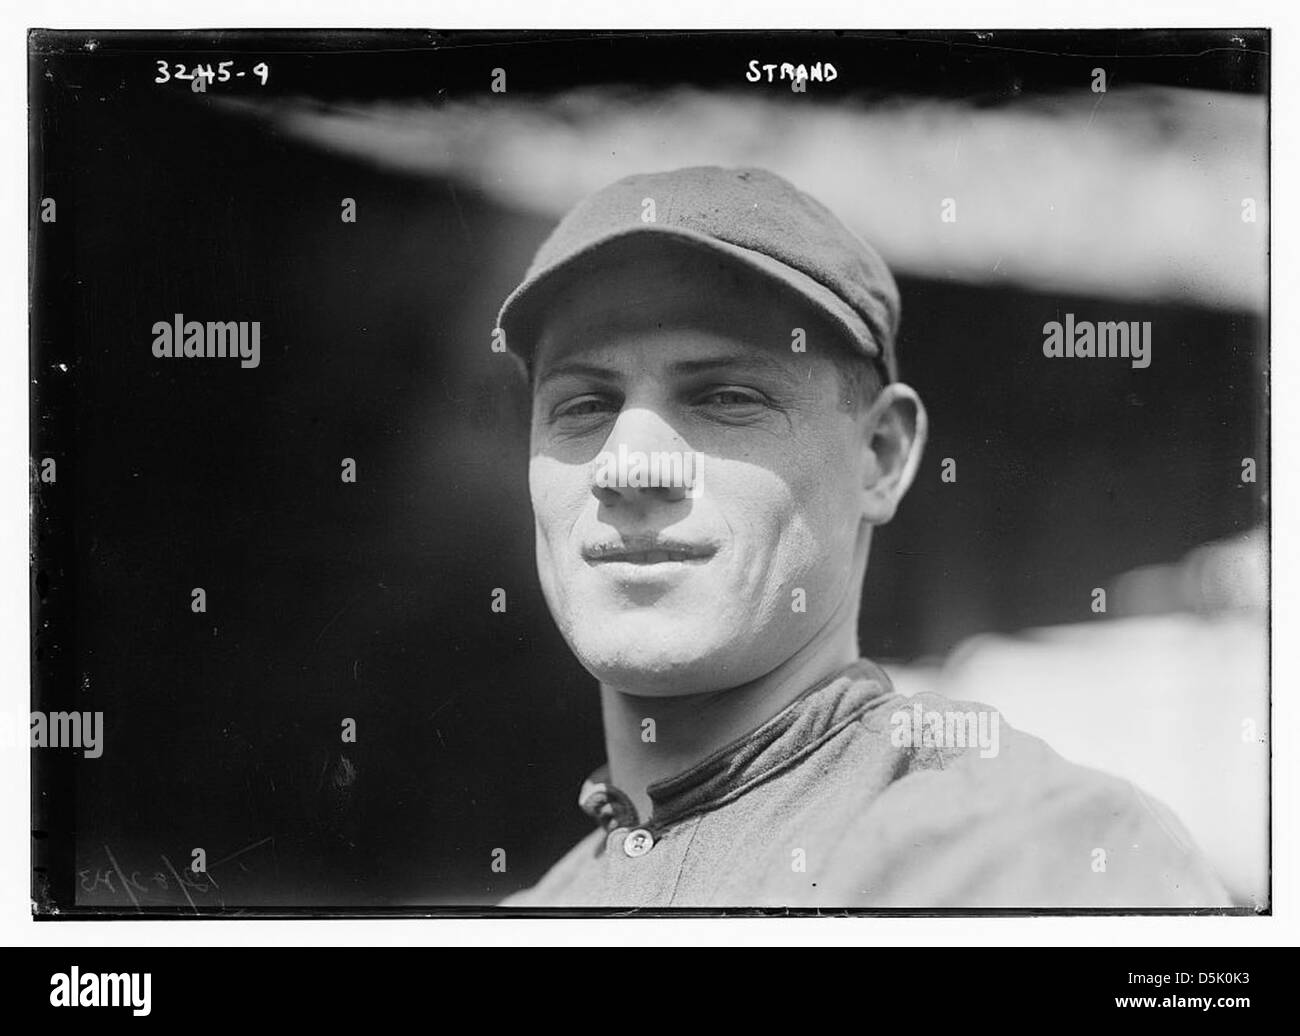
{"points": [[221, 75]]}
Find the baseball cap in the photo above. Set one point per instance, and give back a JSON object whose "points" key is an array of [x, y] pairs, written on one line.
{"points": [[749, 215]]}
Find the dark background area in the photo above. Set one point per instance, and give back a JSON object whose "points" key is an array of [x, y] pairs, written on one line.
{"points": [[329, 600]]}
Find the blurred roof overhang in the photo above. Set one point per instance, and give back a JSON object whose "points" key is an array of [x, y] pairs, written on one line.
{"points": [[1129, 194]]}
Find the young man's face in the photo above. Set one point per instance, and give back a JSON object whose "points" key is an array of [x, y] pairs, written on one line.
{"points": [[660, 591]]}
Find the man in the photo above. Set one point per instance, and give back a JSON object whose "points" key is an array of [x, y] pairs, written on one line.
{"points": [[717, 429]]}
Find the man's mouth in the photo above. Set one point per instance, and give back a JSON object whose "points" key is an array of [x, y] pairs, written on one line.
{"points": [[646, 551]]}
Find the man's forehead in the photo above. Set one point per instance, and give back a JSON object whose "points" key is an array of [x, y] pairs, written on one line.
{"points": [[668, 339]]}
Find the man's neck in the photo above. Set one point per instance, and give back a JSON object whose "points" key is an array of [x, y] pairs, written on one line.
{"points": [[690, 728]]}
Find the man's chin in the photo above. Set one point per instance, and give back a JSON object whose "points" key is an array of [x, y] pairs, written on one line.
{"points": [[672, 662], [657, 678]]}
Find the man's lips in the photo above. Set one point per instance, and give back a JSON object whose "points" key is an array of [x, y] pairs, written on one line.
{"points": [[646, 551]]}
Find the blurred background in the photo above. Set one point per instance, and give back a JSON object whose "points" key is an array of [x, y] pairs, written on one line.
{"points": [[372, 600]]}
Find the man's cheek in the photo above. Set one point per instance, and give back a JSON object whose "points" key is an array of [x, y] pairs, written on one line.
{"points": [[758, 509], [557, 495]]}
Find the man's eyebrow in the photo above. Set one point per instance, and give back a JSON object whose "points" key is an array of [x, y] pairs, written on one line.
{"points": [[751, 360], [573, 368], [754, 360]]}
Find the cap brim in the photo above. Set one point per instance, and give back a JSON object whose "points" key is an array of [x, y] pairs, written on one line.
{"points": [[523, 310]]}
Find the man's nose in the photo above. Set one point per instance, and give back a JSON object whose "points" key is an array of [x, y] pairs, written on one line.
{"points": [[643, 460]]}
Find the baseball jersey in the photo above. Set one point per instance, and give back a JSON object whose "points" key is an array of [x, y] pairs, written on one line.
{"points": [[854, 796]]}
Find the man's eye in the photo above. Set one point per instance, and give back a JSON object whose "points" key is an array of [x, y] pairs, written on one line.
{"points": [[584, 406], [731, 396]]}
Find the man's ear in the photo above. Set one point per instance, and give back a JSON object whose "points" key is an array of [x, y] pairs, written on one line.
{"points": [[896, 427]]}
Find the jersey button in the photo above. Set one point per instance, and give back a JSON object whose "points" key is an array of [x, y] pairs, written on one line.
{"points": [[638, 842]]}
